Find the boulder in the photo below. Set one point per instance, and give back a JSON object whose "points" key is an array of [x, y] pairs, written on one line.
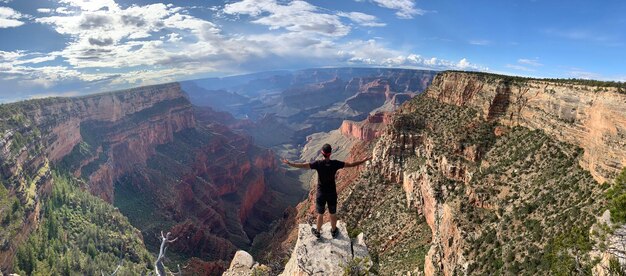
{"points": [[325, 256]]}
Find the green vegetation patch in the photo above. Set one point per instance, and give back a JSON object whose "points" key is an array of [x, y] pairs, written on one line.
{"points": [[621, 86], [81, 235], [542, 207], [616, 196], [397, 237]]}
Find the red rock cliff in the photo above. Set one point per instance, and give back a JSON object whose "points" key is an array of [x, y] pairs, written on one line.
{"points": [[593, 118], [367, 130], [45, 131]]}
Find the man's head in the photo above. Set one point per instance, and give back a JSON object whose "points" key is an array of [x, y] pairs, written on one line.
{"points": [[327, 150]]}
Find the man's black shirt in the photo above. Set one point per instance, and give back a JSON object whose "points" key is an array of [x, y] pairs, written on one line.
{"points": [[326, 170]]}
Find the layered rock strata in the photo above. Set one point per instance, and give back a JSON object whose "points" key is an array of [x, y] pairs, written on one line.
{"points": [[591, 117], [325, 256], [37, 133]]}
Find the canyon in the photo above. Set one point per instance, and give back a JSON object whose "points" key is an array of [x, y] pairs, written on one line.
{"points": [[166, 164], [472, 173], [481, 173], [144, 151]]}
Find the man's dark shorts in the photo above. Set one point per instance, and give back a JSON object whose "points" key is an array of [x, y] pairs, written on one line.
{"points": [[322, 199]]}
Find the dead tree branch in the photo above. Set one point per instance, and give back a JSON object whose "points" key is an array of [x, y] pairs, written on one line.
{"points": [[165, 240]]}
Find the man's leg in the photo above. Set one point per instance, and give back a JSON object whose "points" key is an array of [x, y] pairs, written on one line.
{"points": [[333, 221], [320, 206], [332, 209], [320, 220]]}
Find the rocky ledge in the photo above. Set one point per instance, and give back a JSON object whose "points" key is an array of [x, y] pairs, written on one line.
{"points": [[313, 256], [326, 256]]}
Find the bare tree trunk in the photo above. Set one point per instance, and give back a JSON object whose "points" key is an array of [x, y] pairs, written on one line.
{"points": [[158, 265]]}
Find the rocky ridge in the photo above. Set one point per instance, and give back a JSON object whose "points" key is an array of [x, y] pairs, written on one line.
{"points": [[593, 118], [313, 256], [145, 151], [496, 171], [38, 133], [366, 130]]}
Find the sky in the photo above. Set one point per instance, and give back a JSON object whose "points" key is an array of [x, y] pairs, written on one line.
{"points": [[75, 47]]}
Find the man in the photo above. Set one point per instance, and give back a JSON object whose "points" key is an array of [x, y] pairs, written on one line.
{"points": [[326, 189]]}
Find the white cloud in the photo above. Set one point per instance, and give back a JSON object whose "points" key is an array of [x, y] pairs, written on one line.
{"points": [[44, 10], [531, 62], [480, 42], [10, 18], [363, 19], [113, 47], [519, 67], [405, 9], [92, 5], [121, 38], [578, 74], [10, 56], [295, 16], [373, 53]]}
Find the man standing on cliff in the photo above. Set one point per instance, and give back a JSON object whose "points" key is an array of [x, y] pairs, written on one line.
{"points": [[326, 188]]}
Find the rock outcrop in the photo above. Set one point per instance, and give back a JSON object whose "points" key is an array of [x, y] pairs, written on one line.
{"points": [[471, 179], [366, 130], [244, 265], [328, 255], [37, 133], [144, 151], [591, 117]]}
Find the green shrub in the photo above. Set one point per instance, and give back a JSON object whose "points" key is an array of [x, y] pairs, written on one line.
{"points": [[616, 196], [357, 267], [81, 235]]}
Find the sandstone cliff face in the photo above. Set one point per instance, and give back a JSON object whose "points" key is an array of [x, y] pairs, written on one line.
{"points": [[366, 130], [145, 151], [328, 255], [37, 133], [586, 116], [475, 183]]}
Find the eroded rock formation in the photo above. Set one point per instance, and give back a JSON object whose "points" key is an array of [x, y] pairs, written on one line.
{"points": [[593, 118], [325, 256], [366, 130], [145, 151]]}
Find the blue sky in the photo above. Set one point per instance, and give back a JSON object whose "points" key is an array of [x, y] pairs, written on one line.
{"points": [[73, 47]]}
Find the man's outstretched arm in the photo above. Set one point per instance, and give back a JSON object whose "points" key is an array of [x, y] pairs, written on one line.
{"points": [[297, 165], [354, 164]]}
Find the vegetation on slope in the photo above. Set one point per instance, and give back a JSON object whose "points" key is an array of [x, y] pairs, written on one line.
{"points": [[617, 198], [11, 215], [528, 207], [621, 86], [398, 238], [81, 234], [543, 205]]}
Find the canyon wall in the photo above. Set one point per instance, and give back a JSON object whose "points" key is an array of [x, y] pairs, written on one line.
{"points": [[144, 151], [481, 174], [480, 155], [591, 117], [37, 133], [366, 130]]}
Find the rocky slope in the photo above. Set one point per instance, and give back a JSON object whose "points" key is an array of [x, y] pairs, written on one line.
{"points": [[485, 174], [38, 133], [293, 105], [592, 117], [145, 151]]}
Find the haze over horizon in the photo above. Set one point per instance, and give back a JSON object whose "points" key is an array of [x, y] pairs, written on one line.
{"points": [[74, 47]]}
